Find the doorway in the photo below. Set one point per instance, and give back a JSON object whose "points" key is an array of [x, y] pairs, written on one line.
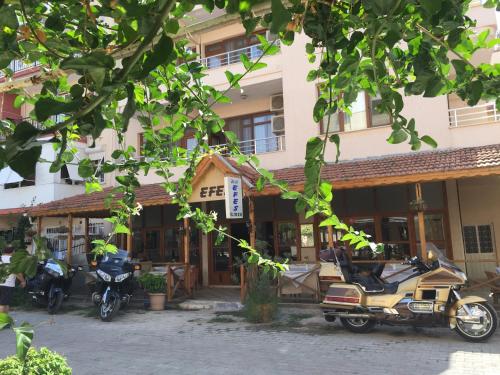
{"points": [[226, 256]]}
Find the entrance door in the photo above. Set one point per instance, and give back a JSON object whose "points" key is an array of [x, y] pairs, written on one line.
{"points": [[152, 245], [226, 257]]}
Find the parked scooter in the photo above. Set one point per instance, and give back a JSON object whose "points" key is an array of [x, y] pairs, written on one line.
{"points": [[428, 297], [51, 284], [115, 283]]}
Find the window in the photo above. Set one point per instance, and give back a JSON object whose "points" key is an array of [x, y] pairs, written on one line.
{"points": [[30, 181], [228, 51], [306, 235], [363, 115], [287, 240], [254, 132], [99, 173], [395, 237], [478, 239]]}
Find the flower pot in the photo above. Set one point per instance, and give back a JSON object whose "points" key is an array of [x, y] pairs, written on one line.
{"points": [[157, 301], [266, 312]]}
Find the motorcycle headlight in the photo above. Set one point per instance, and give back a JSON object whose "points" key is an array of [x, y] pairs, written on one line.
{"points": [[104, 275], [122, 277]]}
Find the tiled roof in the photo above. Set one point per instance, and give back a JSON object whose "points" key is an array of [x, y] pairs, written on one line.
{"points": [[409, 164], [418, 166], [13, 211]]}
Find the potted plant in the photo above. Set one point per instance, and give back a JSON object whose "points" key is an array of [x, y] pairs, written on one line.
{"points": [[261, 301], [155, 286]]}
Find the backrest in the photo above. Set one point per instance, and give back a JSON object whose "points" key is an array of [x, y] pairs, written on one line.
{"points": [[344, 263]]}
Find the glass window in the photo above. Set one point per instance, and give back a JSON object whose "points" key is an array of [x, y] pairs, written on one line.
{"points": [[398, 251], [378, 118], [434, 227], [191, 143], [485, 238], [359, 202], [395, 229], [357, 119], [264, 208], [265, 238], [172, 245], [470, 239], [392, 198], [339, 202], [287, 240], [254, 132], [220, 251], [432, 193], [170, 212], [366, 225], [152, 247], [306, 235], [152, 216], [334, 125]]}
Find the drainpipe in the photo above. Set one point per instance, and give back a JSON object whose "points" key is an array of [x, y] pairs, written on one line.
{"points": [[461, 226]]}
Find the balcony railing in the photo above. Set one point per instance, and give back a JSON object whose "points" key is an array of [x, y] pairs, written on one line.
{"points": [[232, 57], [477, 115], [256, 146], [18, 66]]}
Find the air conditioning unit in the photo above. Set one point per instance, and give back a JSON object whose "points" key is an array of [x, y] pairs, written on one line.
{"points": [[278, 124], [277, 103]]}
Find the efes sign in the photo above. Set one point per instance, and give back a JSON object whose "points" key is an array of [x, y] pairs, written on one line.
{"points": [[234, 197], [212, 191]]}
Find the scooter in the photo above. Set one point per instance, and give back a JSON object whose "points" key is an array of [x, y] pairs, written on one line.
{"points": [[51, 284], [115, 283], [429, 296]]}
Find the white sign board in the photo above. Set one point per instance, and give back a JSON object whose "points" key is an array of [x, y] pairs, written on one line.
{"points": [[233, 197]]}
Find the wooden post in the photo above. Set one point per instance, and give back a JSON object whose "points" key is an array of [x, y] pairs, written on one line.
{"points": [[70, 239], [251, 210], [187, 268], [86, 233], [330, 237], [39, 225], [421, 223], [170, 283], [130, 237]]}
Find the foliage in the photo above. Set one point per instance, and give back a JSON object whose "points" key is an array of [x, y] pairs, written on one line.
{"points": [[261, 290], [42, 361], [127, 54], [24, 335], [23, 225], [152, 283]]}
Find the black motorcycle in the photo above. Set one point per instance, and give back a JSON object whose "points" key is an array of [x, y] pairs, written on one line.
{"points": [[51, 284], [115, 283]]}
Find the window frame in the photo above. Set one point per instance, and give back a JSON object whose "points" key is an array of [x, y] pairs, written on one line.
{"points": [[478, 240]]}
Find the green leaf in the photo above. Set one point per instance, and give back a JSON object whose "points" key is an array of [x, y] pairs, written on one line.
{"points": [[335, 138], [319, 109], [332, 220], [398, 136], [325, 189], [120, 228], [475, 91], [8, 18], [246, 62], [19, 101], [314, 147], [280, 16], [5, 320], [161, 54], [24, 337], [431, 6], [130, 107], [25, 161], [92, 186], [429, 140], [86, 168], [46, 107]]}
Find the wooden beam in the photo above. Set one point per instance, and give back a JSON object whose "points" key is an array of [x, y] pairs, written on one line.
{"points": [[330, 237], [130, 237], [187, 268], [253, 233], [39, 225], [87, 240], [421, 223], [70, 240]]}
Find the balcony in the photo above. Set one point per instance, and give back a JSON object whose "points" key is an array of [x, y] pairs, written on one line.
{"points": [[256, 146], [18, 66], [253, 52], [478, 115]]}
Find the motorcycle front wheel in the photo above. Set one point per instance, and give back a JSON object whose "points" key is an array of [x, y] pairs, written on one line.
{"points": [[55, 302], [481, 331], [358, 325], [108, 309]]}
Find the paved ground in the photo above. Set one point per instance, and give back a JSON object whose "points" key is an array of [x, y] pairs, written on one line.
{"points": [[200, 342]]}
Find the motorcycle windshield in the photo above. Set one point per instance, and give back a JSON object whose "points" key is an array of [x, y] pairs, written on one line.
{"points": [[119, 257], [444, 261], [53, 266]]}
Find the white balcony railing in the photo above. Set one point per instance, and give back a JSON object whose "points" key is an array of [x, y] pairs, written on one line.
{"points": [[256, 146], [18, 66], [477, 115], [232, 57]]}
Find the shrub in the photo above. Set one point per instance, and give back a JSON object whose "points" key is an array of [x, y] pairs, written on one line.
{"points": [[261, 302], [153, 283], [41, 362]]}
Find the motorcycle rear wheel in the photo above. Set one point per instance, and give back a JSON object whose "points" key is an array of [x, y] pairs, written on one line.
{"points": [[478, 332], [358, 325], [55, 302], [108, 310]]}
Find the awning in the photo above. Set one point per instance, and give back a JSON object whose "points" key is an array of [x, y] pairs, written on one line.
{"points": [[73, 172], [8, 176]]}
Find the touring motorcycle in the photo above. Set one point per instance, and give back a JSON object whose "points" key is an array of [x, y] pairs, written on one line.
{"points": [[115, 283], [428, 296], [51, 284]]}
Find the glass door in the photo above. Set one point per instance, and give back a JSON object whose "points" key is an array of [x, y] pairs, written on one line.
{"points": [[152, 245], [220, 261]]}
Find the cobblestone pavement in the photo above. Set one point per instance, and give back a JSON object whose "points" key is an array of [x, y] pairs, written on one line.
{"points": [[181, 342]]}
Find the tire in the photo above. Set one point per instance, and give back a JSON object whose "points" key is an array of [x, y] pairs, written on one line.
{"points": [[478, 334], [108, 310], [358, 325], [329, 318], [54, 304]]}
